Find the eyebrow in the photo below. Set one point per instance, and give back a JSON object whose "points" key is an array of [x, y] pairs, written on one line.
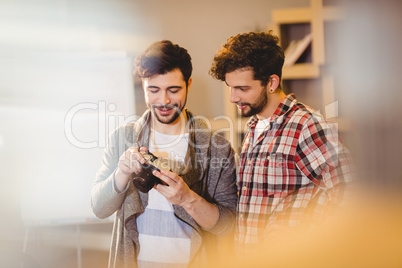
{"points": [[238, 86], [171, 87]]}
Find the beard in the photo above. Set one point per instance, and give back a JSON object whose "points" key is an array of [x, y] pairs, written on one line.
{"points": [[169, 118], [257, 106]]}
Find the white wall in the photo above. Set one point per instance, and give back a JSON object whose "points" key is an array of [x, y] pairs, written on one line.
{"points": [[199, 26]]}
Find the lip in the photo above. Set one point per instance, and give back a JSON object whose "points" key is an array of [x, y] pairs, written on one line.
{"points": [[242, 106], [165, 111]]}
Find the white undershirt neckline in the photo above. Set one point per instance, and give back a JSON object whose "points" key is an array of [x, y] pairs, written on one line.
{"points": [[260, 127]]}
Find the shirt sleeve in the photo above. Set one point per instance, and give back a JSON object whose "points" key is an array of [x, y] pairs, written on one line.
{"points": [[224, 191], [321, 156], [105, 199]]}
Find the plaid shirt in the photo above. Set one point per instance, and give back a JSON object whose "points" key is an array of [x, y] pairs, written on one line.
{"points": [[296, 161]]}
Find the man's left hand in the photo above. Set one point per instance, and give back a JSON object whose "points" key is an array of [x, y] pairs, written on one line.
{"points": [[176, 190]]}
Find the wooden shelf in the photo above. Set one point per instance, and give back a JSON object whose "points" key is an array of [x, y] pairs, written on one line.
{"points": [[301, 71], [289, 16], [303, 15], [332, 13]]}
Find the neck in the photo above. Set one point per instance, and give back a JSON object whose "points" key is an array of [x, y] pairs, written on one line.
{"points": [[274, 100], [175, 128]]}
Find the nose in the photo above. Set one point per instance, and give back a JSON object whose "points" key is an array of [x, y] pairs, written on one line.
{"points": [[233, 96], [166, 98]]}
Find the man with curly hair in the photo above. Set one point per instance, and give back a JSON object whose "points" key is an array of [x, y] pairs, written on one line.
{"points": [[291, 163], [167, 223]]}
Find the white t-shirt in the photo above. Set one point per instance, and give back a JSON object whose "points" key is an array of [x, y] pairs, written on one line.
{"points": [[259, 128], [164, 239]]}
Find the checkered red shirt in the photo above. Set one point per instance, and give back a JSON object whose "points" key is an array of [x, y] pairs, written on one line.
{"points": [[296, 161]]}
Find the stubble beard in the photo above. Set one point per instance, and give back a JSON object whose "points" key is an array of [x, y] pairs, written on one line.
{"points": [[256, 107], [167, 119]]}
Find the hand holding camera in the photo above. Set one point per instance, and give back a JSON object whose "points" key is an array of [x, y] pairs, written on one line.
{"points": [[145, 180], [138, 164]]}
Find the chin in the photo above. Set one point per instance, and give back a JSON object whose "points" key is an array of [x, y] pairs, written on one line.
{"points": [[167, 119], [245, 113]]}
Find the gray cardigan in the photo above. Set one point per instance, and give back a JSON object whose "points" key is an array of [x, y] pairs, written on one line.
{"points": [[211, 174]]}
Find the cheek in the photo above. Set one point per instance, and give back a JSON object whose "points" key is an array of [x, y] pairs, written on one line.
{"points": [[245, 97], [254, 97], [180, 99], [149, 98], [149, 101], [146, 98]]}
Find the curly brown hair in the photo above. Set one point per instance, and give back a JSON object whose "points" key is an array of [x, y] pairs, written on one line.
{"points": [[257, 50]]}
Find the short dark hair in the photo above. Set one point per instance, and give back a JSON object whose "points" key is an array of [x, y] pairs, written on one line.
{"points": [[162, 57], [258, 50]]}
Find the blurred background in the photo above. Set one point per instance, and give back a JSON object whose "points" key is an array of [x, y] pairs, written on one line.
{"points": [[66, 82]]}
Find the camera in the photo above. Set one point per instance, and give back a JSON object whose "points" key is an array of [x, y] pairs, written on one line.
{"points": [[145, 180]]}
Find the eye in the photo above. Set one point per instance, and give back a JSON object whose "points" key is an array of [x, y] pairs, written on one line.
{"points": [[153, 90], [242, 88], [174, 90]]}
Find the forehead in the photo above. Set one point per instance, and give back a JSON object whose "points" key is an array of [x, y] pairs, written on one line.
{"points": [[239, 76], [173, 77]]}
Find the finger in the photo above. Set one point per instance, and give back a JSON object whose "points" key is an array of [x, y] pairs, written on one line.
{"points": [[128, 165], [133, 154], [164, 190], [164, 178], [143, 149], [131, 159], [124, 168], [135, 166], [171, 175]]}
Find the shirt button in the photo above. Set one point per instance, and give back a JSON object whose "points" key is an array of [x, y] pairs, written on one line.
{"points": [[268, 157], [244, 188], [327, 176]]}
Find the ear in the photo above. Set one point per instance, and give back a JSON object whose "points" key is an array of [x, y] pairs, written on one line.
{"points": [[273, 82], [190, 80]]}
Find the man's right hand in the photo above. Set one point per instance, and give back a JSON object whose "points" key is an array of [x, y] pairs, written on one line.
{"points": [[129, 162]]}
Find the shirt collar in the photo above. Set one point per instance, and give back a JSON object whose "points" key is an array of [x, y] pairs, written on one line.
{"points": [[285, 105]]}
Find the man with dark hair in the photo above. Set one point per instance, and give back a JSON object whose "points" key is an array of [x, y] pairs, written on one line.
{"points": [[167, 211], [291, 163]]}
